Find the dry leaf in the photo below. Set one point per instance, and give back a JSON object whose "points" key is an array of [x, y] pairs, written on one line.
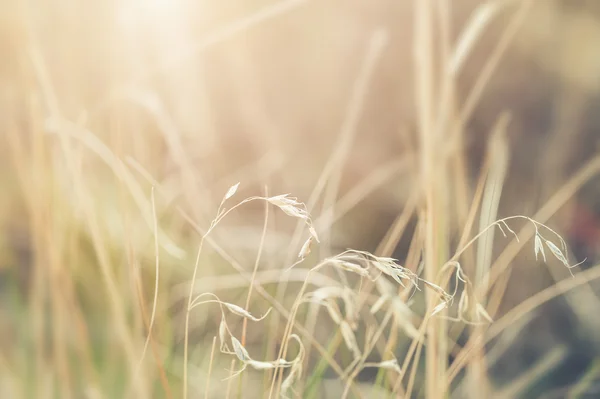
{"points": [[313, 233], [294, 211], [222, 332], [305, 250], [352, 267], [239, 350], [235, 309], [557, 252], [283, 200], [539, 247], [232, 190], [258, 365]]}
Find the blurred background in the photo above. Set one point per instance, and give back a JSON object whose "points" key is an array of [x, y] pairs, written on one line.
{"points": [[106, 105]]}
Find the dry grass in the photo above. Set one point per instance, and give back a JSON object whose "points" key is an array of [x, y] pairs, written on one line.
{"points": [[365, 251]]}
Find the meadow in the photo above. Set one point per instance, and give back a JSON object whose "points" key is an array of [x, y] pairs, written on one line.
{"points": [[299, 199]]}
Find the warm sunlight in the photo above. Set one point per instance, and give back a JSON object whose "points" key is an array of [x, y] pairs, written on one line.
{"points": [[299, 199]]}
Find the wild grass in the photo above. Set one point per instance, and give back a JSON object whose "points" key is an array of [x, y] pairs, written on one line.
{"points": [[150, 273]]}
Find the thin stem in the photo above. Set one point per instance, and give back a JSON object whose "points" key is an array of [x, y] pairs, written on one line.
{"points": [[156, 279], [187, 320], [256, 263], [210, 364]]}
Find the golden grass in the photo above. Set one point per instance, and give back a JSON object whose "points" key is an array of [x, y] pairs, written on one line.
{"points": [[151, 273]]}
